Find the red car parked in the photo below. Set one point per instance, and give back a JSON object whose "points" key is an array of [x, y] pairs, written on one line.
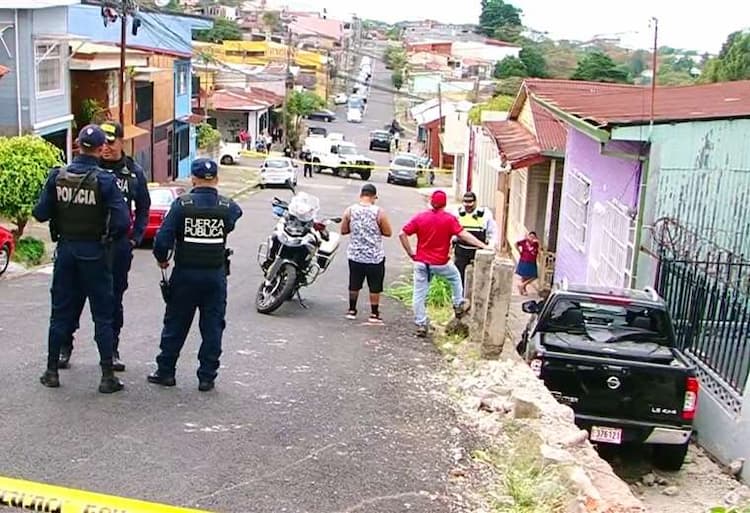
{"points": [[7, 246], [162, 197]]}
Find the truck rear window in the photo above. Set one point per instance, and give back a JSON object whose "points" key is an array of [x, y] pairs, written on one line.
{"points": [[603, 321]]}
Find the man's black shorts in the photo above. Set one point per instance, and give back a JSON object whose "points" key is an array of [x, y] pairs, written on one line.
{"points": [[374, 273]]}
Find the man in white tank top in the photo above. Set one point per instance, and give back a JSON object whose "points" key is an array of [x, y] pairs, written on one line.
{"points": [[367, 224]]}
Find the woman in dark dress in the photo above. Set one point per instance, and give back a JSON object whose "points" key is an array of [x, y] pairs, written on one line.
{"points": [[526, 268]]}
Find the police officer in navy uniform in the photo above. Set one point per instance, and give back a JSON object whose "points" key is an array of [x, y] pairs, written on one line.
{"points": [[87, 211], [132, 182], [196, 227], [481, 224]]}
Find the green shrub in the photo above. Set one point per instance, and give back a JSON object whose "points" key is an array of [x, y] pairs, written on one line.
{"points": [[29, 251], [208, 137]]}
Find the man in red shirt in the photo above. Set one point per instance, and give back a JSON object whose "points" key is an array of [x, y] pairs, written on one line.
{"points": [[435, 229]]}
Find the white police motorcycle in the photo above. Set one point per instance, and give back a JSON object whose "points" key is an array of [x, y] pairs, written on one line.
{"points": [[300, 249]]}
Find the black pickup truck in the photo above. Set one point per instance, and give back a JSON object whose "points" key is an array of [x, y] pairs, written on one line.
{"points": [[611, 356]]}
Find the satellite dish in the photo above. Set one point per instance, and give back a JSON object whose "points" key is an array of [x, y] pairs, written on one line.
{"points": [[161, 3]]}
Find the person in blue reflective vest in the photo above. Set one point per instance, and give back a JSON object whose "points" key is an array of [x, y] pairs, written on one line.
{"points": [[131, 180], [86, 211], [196, 227]]}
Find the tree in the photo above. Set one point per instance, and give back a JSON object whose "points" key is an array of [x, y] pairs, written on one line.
{"points": [[497, 14], [25, 162], [223, 30], [510, 67], [397, 78], [298, 105], [501, 103], [733, 62], [272, 21], [599, 67], [533, 60], [395, 57], [638, 62]]}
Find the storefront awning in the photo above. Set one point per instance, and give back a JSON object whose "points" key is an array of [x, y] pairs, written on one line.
{"points": [[192, 119], [132, 131]]}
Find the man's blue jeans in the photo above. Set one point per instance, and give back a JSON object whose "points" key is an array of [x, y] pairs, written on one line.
{"points": [[422, 275]]}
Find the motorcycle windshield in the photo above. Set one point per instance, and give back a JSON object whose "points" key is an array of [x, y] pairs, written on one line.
{"points": [[304, 206]]}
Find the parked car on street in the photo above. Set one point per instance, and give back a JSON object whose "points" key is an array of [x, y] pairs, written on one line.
{"points": [[380, 139], [323, 115], [611, 355], [404, 169], [340, 99], [278, 171], [7, 247], [162, 197], [317, 130], [230, 153]]}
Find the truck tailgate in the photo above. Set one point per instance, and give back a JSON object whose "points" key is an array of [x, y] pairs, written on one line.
{"points": [[621, 389]]}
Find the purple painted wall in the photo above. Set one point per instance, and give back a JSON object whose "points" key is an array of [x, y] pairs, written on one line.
{"points": [[610, 178]]}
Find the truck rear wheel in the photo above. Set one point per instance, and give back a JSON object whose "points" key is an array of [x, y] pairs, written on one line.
{"points": [[365, 175], [670, 457]]}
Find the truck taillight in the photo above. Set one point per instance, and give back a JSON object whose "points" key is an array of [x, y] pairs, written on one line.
{"points": [[691, 398], [536, 366]]}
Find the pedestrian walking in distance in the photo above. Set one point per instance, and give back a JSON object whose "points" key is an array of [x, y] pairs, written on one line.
{"points": [[86, 211], [196, 227], [480, 223], [528, 247], [132, 182], [435, 229], [367, 224]]}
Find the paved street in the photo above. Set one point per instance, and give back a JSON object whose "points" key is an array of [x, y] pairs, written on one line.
{"points": [[312, 413]]}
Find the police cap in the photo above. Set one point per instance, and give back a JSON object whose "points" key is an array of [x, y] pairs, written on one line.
{"points": [[91, 136], [204, 168], [113, 130]]}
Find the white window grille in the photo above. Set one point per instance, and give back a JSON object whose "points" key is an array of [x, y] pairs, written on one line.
{"points": [[613, 238], [182, 80], [49, 68], [576, 222]]}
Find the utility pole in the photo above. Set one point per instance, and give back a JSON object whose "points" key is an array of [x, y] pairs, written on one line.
{"points": [[125, 10], [287, 87], [440, 107], [476, 89], [653, 66]]}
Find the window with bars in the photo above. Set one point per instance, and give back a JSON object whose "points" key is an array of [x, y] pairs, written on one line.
{"points": [[49, 68], [577, 197], [182, 79], [113, 89]]}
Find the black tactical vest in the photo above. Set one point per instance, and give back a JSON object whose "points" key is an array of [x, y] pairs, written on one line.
{"points": [[201, 240], [126, 181], [80, 213]]}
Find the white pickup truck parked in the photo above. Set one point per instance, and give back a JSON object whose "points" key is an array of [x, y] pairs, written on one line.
{"points": [[341, 157]]}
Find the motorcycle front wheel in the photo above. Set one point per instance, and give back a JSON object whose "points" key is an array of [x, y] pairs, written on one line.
{"points": [[272, 293]]}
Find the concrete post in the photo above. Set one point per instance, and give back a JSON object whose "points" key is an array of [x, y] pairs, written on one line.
{"points": [[480, 291], [468, 281], [498, 305]]}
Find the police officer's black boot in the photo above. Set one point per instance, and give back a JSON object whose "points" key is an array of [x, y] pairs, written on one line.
{"points": [[64, 361], [109, 383], [50, 378], [117, 364]]}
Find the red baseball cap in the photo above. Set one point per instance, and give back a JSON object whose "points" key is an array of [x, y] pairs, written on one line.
{"points": [[438, 199]]}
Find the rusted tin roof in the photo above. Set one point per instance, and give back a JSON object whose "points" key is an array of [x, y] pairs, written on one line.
{"points": [[612, 105], [518, 145]]}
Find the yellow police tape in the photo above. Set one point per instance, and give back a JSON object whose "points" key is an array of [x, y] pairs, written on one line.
{"points": [[262, 155], [31, 496]]}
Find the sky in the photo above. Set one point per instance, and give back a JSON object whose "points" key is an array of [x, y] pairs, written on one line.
{"points": [[704, 27]]}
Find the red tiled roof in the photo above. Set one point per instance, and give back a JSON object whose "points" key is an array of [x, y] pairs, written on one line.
{"points": [[241, 100], [609, 105], [497, 42], [518, 145]]}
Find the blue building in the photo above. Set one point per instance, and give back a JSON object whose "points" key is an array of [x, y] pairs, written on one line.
{"points": [[158, 32], [34, 89]]}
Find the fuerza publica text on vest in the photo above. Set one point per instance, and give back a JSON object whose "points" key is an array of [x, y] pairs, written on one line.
{"points": [[201, 227]]}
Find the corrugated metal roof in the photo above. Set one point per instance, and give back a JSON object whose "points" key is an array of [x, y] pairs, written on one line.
{"points": [[241, 100], [610, 104], [518, 145], [551, 133]]}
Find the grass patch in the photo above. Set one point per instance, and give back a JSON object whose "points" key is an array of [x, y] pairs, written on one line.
{"points": [[439, 298], [29, 251], [525, 484]]}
